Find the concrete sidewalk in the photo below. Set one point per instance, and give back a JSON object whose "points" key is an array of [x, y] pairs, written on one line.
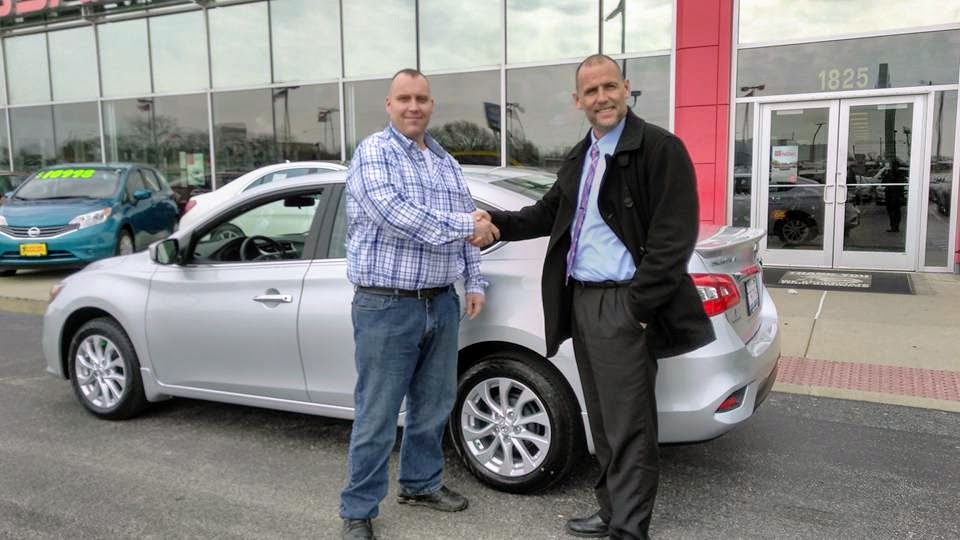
{"points": [[887, 348]]}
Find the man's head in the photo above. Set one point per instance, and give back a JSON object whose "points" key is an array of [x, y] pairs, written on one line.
{"points": [[409, 103], [602, 92]]}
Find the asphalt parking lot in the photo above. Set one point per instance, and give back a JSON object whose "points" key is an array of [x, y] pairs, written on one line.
{"points": [[803, 467]]}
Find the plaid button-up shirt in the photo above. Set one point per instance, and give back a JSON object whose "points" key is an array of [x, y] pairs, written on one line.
{"points": [[406, 227]]}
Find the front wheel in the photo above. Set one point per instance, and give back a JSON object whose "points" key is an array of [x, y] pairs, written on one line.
{"points": [[125, 243], [105, 371], [515, 424]]}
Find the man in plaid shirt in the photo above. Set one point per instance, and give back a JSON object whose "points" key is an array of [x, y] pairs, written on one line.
{"points": [[409, 216]]}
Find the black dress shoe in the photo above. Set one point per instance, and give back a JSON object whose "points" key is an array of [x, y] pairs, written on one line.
{"points": [[444, 500], [357, 529], [588, 527]]}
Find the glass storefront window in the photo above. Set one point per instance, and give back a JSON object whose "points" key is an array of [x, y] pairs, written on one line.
{"points": [[240, 45], [73, 64], [243, 135], [542, 122], [4, 141], [742, 164], [853, 64], [124, 61], [76, 132], [27, 57], [32, 138], [363, 101], [306, 39], [393, 22], [307, 120], [460, 122], [169, 133], [941, 192], [632, 26], [532, 30], [455, 34], [178, 46], [774, 20]]}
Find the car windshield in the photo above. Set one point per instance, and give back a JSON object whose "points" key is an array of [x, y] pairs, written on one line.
{"points": [[86, 183], [534, 186]]}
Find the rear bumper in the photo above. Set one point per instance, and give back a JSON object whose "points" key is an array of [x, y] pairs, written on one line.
{"points": [[691, 387]]}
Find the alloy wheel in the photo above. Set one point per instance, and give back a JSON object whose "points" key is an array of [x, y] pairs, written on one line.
{"points": [[505, 427], [100, 370]]}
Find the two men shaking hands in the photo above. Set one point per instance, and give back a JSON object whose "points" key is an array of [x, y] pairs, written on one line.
{"points": [[484, 231]]}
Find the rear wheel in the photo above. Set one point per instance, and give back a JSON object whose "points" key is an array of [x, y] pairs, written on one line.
{"points": [[125, 243], [796, 230], [515, 424], [105, 371]]}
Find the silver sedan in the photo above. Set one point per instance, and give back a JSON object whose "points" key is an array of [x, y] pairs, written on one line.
{"points": [[250, 305]]}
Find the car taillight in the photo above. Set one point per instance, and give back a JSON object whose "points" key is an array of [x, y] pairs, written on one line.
{"points": [[189, 206], [717, 291]]}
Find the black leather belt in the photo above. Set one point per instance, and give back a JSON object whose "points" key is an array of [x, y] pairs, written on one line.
{"points": [[422, 294], [608, 284]]}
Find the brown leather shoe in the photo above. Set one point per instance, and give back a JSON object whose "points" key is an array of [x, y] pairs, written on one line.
{"points": [[444, 500], [588, 527], [357, 529]]}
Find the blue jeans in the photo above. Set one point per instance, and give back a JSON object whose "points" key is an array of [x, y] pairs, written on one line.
{"points": [[404, 347]]}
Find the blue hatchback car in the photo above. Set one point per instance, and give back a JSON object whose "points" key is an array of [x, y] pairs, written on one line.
{"points": [[74, 214]]}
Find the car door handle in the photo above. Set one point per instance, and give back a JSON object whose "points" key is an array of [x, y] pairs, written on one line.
{"points": [[268, 298]]}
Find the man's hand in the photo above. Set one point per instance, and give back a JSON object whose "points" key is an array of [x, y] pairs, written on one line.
{"points": [[484, 231], [475, 303]]}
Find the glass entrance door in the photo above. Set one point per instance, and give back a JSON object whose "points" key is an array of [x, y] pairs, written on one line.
{"points": [[836, 183]]}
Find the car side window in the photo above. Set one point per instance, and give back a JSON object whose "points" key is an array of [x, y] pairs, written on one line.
{"points": [[277, 229], [134, 183], [338, 239], [149, 180], [156, 179], [278, 175]]}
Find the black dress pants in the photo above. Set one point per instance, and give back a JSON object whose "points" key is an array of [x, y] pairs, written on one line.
{"points": [[618, 374]]}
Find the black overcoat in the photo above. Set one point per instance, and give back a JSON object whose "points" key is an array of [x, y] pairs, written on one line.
{"points": [[648, 197]]}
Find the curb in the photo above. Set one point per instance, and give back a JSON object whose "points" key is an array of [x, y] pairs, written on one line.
{"points": [[873, 397], [23, 305]]}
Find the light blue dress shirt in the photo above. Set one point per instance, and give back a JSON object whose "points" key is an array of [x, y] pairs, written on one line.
{"points": [[601, 256]]}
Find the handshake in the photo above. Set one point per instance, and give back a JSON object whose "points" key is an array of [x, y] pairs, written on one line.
{"points": [[484, 231]]}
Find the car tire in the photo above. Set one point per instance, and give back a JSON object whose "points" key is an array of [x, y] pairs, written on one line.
{"points": [[125, 245], [8, 272], [105, 372], [552, 443], [795, 230]]}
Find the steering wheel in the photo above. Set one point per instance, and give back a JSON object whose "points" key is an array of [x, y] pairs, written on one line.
{"points": [[260, 248]]}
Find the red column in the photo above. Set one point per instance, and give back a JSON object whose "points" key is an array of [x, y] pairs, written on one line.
{"points": [[704, 40]]}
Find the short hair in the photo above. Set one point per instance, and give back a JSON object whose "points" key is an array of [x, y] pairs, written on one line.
{"points": [[410, 72], [593, 60]]}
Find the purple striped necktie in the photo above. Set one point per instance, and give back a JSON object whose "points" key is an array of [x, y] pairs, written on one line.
{"points": [[582, 208]]}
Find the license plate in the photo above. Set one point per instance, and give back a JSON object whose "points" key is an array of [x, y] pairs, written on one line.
{"points": [[753, 295], [33, 250]]}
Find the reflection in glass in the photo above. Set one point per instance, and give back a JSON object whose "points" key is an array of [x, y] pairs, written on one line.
{"points": [[631, 26], [456, 34], [307, 120], [306, 39], [77, 132], [242, 132], [798, 165], [742, 164], [32, 138], [239, 45], [363, 101], [4, 142], [124, 64], [544, 30], [460, 122], [178, 46], [73, 64], [169, 133], [852, 64], [878, 176], [393, 22], [27, 57], [542, 122], [765, 20], [941, 179]]}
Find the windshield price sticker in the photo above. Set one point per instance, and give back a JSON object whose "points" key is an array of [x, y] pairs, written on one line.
{"points": [[67, 173]]}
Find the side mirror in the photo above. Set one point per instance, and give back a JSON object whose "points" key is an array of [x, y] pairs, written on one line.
{"points": [[165, 252], [141, 195]]}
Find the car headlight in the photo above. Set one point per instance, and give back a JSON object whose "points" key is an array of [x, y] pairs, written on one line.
{"points": [[3, 221], [92, 218]]}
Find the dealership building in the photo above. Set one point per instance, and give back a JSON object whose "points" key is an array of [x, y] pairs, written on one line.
{"points": [[831, 125]]}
